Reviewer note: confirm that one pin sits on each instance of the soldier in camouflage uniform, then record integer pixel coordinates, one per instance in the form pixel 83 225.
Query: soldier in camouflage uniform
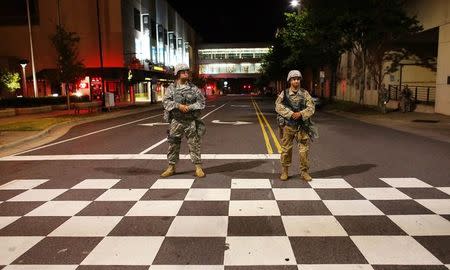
pixel 183 103
pixel 295 107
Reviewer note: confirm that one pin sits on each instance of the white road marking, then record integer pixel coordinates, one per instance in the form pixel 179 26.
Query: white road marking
pixel 88 134
pixel 235 123
pixel 165 139
pixel 206 115
pixel 139 156
pixel 154 124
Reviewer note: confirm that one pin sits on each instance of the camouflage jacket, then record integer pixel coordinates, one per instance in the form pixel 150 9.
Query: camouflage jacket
pixel 187 94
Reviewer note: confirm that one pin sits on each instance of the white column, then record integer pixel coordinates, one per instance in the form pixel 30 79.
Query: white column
pixel 443 71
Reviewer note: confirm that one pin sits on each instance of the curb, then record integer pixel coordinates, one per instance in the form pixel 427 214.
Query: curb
pixel 71 124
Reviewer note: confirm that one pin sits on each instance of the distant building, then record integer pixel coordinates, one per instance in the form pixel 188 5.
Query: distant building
pixel 232 67
pixel 141 41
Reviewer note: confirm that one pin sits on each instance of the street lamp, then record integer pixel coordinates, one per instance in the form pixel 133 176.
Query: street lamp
pixel 296 4
pixel 24 63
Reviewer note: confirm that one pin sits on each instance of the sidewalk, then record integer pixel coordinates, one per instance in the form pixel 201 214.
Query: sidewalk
pixel 431 125
pixel 21 132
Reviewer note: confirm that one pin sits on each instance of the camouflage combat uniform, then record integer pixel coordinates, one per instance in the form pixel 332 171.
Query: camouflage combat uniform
pixel 301 129
pixel 188 124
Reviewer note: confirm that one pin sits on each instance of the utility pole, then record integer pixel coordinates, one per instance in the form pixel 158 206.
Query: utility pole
pixel 101 54
pixel 31 48
pixel 58 11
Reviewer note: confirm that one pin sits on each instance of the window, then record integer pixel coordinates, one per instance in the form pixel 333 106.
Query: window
pixel 146 22
pixel 165 37
pixel 160 33
pixel 153 29
pixel 137 19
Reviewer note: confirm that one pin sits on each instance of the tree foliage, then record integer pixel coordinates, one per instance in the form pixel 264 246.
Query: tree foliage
pixel 70 68
pixel 10 80
pixel 66 44
pixel 372 30
pixel 374 27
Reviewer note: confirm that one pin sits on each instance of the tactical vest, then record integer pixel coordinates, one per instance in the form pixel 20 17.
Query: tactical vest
pixel 306 125
pixel 185 96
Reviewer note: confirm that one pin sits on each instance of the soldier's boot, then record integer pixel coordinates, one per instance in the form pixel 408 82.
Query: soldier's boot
pixel 199 171
pixel 284 173
pixel 169 171
pixel 304 167
pixel 305 176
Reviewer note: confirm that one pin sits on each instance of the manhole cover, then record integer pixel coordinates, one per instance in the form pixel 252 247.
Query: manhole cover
pixel 426 121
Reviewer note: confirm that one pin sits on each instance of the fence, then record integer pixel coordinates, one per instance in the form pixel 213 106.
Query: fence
pixel 421 94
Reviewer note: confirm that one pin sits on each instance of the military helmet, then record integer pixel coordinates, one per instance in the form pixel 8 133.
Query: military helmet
pixel 180 67
pixel 293 74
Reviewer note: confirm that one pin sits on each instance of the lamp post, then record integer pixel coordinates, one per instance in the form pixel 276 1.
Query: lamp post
pixel 31 50
pixel 24 63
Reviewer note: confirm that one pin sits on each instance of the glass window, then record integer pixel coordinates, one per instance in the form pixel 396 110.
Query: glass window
pixel 153 29
pixel 137 19
pixel 165 37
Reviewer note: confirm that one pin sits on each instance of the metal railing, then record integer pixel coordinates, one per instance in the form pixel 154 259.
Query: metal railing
pixel 420 93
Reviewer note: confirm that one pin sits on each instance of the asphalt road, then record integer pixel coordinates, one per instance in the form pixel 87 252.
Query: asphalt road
pixel 94 198
pixel 357 151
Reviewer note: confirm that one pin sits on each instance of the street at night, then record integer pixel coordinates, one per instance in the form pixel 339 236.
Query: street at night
pixel 98 189
pixel 250 135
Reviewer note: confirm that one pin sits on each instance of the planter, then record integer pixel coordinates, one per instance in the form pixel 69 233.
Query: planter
pixel 424 108
pixel 60 107
pixel 7 112
pixel 31 110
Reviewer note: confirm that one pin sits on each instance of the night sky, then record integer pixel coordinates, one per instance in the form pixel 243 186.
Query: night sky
pixel 233 20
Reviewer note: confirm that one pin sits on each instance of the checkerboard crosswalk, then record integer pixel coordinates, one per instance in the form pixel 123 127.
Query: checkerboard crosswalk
pixel 403 223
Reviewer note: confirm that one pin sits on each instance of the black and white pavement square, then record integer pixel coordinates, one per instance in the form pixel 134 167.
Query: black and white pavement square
pixel 400 223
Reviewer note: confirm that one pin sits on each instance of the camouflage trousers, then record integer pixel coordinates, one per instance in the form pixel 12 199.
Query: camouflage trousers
pixel 176 132
pixel 287 143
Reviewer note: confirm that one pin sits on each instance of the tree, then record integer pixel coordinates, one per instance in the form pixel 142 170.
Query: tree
pixel 374 27
pixel 10 80
pixel 69 66
pixel 276 62
pixel 371 29
pixel 316 36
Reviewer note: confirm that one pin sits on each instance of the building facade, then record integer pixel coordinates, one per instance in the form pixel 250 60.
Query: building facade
pixel 138 42
pixel 435 16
